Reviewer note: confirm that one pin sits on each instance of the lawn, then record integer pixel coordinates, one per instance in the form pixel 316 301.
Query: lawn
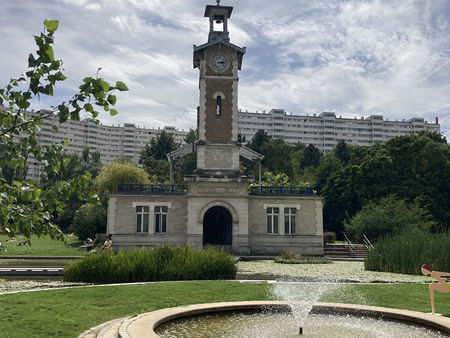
pixel 68 312
pixel 44 246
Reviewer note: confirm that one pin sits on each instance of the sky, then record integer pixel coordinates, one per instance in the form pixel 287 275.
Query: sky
pixel 351 57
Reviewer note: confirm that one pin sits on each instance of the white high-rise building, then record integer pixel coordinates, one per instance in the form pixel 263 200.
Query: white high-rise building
pixel 112 142
pixel 325 130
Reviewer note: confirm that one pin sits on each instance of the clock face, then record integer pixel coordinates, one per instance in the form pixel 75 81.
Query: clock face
pixel 219 62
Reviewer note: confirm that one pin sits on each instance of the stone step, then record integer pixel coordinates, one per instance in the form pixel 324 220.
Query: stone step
pixel 112 329
pixel 105 330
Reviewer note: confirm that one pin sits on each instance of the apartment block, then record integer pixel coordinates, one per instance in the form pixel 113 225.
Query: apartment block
pixel 326 129
pixel 112 142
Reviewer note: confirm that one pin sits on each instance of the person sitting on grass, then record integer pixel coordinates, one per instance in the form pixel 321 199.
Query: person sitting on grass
pixel 108 244
pixel 441 285
pixel 21 243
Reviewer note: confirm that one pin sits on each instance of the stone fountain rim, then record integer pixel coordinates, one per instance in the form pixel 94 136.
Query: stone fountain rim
pixel 144 324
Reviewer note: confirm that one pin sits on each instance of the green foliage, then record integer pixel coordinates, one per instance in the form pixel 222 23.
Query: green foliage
pixel 153 264
pixel 89 219
pixel 416 168
pixel 24 207
pixel 407 252
pixel 311 157
pixel 277 155
pixel 118 172
pixel 389 215
pixel 154 155
pixel 158 148
pixel 271 179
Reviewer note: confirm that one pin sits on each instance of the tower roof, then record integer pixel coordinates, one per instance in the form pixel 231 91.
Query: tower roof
pixel 198 51
pixel 220 10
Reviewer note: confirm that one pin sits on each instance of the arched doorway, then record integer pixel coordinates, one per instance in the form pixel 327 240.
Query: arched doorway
pixel 217 226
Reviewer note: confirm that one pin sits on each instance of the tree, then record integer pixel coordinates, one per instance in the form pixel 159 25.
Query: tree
pixel 154 156
pixel 75 166
pixel 159 147
pixel 277 157
pixel 259 139
pixel 89 219
pixel 389 215
pixel 187 164
pixel 311 157
pixel 118 172
pixel 24 207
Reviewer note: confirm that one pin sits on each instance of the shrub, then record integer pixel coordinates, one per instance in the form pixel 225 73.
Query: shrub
pixel 389 215
pixel 289 254
pixel 89 219
pixel 329 236
pixel 152 264
pixel 405 253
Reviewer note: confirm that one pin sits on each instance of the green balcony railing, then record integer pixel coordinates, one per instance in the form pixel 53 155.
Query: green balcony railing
pixel 152 188
pixel 281 191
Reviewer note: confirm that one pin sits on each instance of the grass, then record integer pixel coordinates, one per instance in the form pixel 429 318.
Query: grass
pixel 68 312
pixel 414 297
pixel 44 246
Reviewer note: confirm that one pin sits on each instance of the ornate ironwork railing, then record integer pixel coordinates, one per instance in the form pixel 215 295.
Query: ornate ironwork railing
pixel 152 188
pixel 281 191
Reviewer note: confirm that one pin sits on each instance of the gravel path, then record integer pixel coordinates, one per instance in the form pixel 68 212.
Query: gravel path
pixel 11 286
pixel 338 271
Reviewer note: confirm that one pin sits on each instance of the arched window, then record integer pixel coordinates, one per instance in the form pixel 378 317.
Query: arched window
pixel 218 105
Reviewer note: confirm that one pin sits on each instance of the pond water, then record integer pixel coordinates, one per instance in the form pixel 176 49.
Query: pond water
pixel 261 325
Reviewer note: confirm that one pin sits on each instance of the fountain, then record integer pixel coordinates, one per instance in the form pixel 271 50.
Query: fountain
pixel 298 313
pixel 301 297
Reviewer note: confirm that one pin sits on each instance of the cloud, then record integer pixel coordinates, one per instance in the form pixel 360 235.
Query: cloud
pixel 349 56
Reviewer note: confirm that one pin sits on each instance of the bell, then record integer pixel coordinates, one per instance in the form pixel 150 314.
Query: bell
pixel 218 21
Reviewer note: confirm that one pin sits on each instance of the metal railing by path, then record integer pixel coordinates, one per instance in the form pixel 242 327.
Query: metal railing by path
pixel 152 188
pixel 281 191
pixel 350 247
pixel 367 243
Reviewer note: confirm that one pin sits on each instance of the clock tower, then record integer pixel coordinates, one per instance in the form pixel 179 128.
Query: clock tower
pixel 218 61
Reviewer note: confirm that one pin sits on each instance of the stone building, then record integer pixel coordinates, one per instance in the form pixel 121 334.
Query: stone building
pixel 216 206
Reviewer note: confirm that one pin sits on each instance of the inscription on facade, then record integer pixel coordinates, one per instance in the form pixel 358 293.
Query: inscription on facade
pixel 215 190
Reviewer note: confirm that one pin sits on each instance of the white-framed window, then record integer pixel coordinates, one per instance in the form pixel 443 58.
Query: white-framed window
pixel 289 221
pixel 160 219
pixel 272 220
pixel 279 214
pixel 151 217
pixel 142 218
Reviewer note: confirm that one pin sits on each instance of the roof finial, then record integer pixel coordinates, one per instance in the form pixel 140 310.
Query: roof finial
pixel 218 2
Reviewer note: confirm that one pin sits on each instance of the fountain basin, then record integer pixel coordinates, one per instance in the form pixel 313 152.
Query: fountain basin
pixel 145 324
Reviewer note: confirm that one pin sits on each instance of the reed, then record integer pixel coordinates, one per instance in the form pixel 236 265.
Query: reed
pixel 405 253
pixel 161 263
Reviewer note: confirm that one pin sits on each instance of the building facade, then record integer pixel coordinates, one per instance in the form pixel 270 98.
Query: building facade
pixel 112 142
pixel 216 206
pixel 325 130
